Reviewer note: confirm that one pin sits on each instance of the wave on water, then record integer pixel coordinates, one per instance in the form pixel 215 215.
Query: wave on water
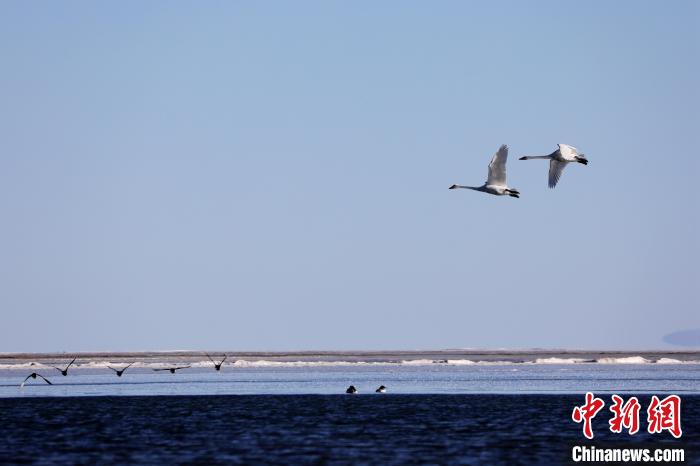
pixel 561 361
pixel 627 360
pixel 674 361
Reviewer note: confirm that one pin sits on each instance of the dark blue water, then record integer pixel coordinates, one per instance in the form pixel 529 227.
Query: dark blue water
pixel 314 429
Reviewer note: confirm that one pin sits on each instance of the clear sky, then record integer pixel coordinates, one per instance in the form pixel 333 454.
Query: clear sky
pixel 273 175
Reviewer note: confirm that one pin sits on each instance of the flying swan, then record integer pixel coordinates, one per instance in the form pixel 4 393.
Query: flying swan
pixel 558 160
pixel 496 182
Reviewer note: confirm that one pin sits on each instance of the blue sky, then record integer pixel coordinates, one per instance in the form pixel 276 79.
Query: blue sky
pixel 273 176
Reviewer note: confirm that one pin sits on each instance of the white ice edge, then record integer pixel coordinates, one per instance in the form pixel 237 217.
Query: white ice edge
pixel 411 362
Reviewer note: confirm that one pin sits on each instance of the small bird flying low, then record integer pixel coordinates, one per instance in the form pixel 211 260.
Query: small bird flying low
pixel 172 369
pixel 120 372
pixel 351 390
pixel 496 181
pixel 64 372
pixel 381 389
pixel 558 160
pixel 217 366
pixel 34 375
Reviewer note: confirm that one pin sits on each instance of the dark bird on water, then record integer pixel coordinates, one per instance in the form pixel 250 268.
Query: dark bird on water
pixel 172 369
pixel 64 372
pixel 217 366
pixel 351 390
pixel 34 375
pixel 119 372
pixel 381 389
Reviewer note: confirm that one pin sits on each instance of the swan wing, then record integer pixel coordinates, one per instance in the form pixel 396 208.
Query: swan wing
pixel 497 167
pixel 567 152
pixel 555 170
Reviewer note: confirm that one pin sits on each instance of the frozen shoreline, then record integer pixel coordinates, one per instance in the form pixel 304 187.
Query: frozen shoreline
pixel 298 358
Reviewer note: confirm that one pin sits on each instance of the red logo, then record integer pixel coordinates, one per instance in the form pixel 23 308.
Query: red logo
pixel 665 415
pixel 587 412
pixel 661 415
pixel 625 415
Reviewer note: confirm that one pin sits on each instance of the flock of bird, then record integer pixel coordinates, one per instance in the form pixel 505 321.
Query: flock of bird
pixel 118 372
pixel 496 183
pixel 351 390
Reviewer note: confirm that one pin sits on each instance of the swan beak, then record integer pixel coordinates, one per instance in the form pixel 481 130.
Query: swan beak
pixel 453 186
pixel 583 161
pixel 522 158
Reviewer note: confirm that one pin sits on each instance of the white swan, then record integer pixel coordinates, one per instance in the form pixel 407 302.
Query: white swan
pixel 496 182
pixel 558 160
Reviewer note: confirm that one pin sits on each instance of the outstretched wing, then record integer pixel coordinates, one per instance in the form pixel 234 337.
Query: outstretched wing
pixel 71 363
pixel 497 167
pixel 115 370
pixel 45 379
pixel 225 356
pixel 555 170
pixel 182 367
pixel 128 366
pixel 567 151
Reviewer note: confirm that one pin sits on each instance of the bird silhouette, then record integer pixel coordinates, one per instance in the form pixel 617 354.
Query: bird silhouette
pixel 351 390
pixel 381 389
pixel 119 372
pixel 172 369
pixel 217 366
pixel 64 372
pixel 496 181
pixel 34 375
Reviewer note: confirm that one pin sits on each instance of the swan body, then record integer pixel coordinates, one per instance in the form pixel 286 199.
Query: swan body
pixel 496 181
pixel 558 160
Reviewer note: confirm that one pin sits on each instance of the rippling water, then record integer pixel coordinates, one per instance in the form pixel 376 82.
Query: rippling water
pixel 432 414
pixel 312 429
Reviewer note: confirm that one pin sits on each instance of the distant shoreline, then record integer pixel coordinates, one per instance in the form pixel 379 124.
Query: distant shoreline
pixel 361 356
